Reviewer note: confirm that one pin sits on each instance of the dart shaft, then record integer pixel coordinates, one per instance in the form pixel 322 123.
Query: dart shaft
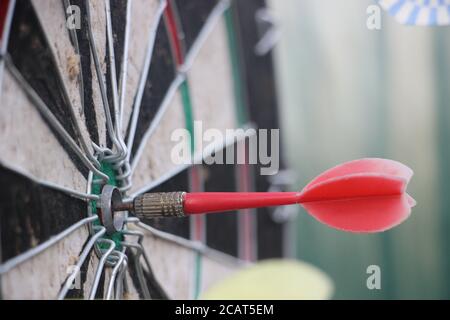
pixel 209 202
pixel 178 204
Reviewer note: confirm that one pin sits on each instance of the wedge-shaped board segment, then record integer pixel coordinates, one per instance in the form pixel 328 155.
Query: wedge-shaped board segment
pixel 54 264
pixel 213 98
pixel 156 158
pixel 52 18
pixel 143 23
pixel 33 148
pixel 93 104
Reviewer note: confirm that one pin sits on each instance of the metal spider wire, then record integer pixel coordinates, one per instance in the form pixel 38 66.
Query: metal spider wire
pixel 52 119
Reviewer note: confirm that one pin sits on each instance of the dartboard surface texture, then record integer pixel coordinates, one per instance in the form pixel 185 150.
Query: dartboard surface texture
pixel 90 93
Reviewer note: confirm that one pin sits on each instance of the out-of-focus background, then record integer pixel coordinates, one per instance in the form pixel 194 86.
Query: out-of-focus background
pixel 348 92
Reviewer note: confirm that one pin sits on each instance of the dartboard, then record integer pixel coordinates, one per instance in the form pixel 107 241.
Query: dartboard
pixel 91 92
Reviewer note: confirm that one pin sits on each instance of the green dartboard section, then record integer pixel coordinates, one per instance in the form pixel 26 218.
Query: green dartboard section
pixel 96 188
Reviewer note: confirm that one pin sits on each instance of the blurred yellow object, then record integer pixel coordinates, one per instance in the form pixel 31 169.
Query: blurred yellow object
pixel 274 280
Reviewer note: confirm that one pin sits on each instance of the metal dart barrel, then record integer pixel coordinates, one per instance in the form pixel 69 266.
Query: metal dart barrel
pixel 153 205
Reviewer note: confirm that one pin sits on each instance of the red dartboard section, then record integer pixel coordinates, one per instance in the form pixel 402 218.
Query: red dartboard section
pixel 95 105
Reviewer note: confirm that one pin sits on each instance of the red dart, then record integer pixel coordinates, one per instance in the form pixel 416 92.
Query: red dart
pixel 366 195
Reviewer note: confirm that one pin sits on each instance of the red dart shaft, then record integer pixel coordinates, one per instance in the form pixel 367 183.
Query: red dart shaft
pixel 208 202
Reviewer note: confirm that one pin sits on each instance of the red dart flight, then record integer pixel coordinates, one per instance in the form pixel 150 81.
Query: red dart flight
pixel 366 195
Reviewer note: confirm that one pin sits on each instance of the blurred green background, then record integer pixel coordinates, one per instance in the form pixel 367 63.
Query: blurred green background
pixel 348 92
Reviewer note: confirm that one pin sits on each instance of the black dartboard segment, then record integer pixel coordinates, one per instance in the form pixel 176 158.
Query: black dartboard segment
pixel 259 79
pixel 32 56
pixel 31 213
pixel 119 23
pixel 159 78
pixel 221 231
pixel 192 16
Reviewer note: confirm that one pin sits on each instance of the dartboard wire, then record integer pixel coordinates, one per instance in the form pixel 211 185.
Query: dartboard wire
pixel 115 92
pixel 137 264
pixel 103 152
pixel 14 262
pixel 44 110
pixel 98 251
pixel 101 265
pixel 139 273
pixel 124 67
pixel 195 246
pixel 207 29
pixel 197 157
pixel 138 267
pixel 84 145
pixel 102 85
pixel 120 282
pixel 140 237
pixel 74 39
pixel 143 77
pixel 121 164
pixel 21 81
pixel 120 263
pixel 65 190
pixel 212 20
pixel 163 107
pixel 48 115
pixel 99 232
